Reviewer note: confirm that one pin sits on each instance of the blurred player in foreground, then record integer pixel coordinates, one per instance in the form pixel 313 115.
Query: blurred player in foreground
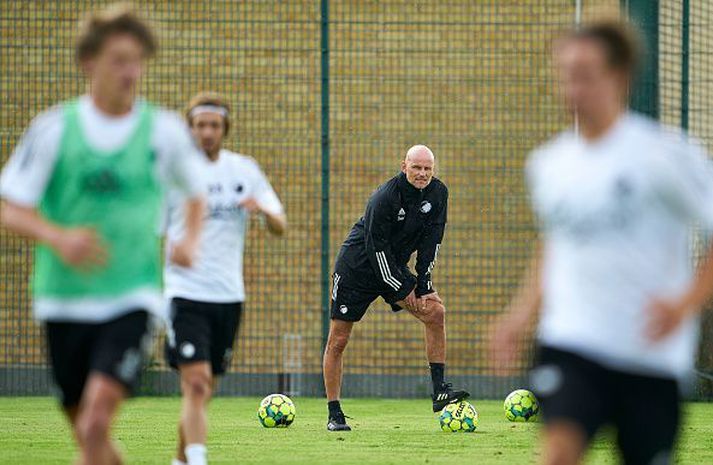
pixel 612 284
pixel 86 183
pixel 406 214
pixel 207 298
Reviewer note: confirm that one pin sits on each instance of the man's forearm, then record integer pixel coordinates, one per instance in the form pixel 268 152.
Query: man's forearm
pixel 424 285
pixel 426 259
pixel 528 301
pixel 702 287
pixel 276 224
pixel 195 209
pixel 28 223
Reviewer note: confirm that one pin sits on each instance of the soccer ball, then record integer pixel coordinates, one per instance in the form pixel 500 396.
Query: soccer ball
pixel 276 411
pixel 521 405
pixel 460 417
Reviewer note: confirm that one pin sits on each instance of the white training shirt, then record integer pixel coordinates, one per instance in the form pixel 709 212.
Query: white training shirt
pixel 217 273
pixel 27 173
pixel 617 217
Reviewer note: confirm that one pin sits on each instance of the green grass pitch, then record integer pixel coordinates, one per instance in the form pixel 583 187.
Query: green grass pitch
pixel 385 432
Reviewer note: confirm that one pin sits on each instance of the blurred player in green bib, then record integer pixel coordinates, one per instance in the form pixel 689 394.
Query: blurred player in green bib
pixel 86 182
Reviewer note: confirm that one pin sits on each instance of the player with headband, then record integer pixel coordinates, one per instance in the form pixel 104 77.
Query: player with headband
pixel 207 300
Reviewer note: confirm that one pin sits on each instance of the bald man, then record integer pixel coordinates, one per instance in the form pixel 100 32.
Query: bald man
pixel 407 214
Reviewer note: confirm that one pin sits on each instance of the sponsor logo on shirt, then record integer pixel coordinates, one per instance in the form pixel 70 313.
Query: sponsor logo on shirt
pixel 622 188
pixel 617 212
pixel 426 206
pixel 402 215
pixel 222 211
pixel 225 210
pixel 103 181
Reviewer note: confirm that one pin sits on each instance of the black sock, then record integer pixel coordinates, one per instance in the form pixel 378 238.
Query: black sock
pixel 438 371
pixel 334 407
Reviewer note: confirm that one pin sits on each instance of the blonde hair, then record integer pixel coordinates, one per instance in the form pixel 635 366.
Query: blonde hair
pixel 117 19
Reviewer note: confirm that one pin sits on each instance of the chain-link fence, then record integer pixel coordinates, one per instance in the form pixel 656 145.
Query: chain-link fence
pixel 327 96
pixel 685 96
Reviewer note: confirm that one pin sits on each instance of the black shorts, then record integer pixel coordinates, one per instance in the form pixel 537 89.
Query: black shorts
pixel 202 332
pixel 350 299
pixel 116 348
pixel 645 410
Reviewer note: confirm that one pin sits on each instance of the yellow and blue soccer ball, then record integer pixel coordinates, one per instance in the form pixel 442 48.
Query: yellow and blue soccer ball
pixel 460 417
pixel 521 405
pixel 276 411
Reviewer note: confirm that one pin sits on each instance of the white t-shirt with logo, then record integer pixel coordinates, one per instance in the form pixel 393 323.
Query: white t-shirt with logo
pixel 28 171
pixel 217 273
pixel 617 216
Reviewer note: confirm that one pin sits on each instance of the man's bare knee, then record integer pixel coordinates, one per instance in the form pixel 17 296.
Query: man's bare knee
pixel 565 444
pixel 560 457
pixel 338 338
pixel 93 426
pixel 196 384
pixel 100 400
pixel 336 344
pixel 435 314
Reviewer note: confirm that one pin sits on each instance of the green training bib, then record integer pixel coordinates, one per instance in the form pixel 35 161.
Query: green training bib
pixel 115 192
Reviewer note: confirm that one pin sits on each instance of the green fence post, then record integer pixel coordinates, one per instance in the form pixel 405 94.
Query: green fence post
pixel 685 60
pixel 324 50
pixel 645 90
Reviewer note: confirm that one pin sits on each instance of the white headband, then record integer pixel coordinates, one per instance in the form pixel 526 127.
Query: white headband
pixel 197 110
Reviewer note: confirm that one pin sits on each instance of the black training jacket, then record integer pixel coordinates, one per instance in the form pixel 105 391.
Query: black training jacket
pixel 399 220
